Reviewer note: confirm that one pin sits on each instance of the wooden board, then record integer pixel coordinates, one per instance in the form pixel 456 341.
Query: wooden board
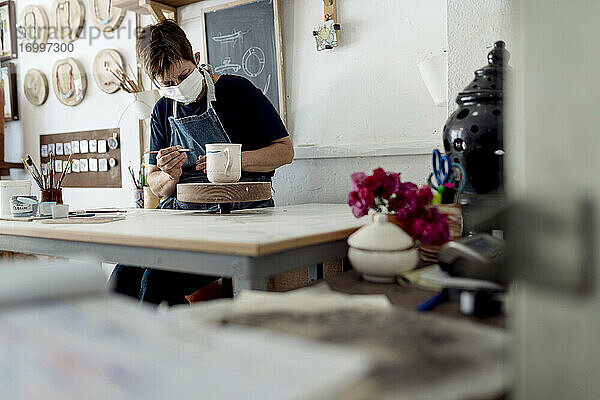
pixel 108 60
pixel 35 87
pixel 67 18
pixel 35 24
pixel 5 167
pixel 108 179
pixel 178 3
pixel 244 38
pixel 159 10
pixel 104 15
pixel 223 192
pixel 11 103
pixel 245 232
pixel 330 8
pixel 69 81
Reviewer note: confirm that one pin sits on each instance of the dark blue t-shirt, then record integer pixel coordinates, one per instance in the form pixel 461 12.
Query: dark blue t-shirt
pixel 246 114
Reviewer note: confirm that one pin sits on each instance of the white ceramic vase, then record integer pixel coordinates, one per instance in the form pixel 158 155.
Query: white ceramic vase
pixel 381 251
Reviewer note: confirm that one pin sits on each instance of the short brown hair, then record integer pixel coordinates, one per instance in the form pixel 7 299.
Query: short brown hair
pixel 161 46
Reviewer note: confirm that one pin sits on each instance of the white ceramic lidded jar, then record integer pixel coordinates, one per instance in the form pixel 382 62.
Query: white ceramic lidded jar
pixel 381 251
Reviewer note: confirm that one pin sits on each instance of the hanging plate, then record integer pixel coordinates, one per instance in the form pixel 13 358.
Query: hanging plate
pixel 104 16
pixel 69 81
pixel 34 25
pixel 35 87
pixel 106 61
pixel 67 18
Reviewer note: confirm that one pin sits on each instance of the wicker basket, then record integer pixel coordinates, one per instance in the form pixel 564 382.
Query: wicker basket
pixel 430 254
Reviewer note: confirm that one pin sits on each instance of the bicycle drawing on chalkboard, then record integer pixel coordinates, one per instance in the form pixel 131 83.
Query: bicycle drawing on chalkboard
pixel 227 66
pixel 231 38
pixel 253 60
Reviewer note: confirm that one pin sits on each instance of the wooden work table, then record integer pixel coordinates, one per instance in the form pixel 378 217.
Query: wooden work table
pixel 248 245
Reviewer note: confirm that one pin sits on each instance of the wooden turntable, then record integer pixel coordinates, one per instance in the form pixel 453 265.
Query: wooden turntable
pixel 223 194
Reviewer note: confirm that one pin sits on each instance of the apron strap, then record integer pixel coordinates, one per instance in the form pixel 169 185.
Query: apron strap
pixel 210 92
pixel 210 88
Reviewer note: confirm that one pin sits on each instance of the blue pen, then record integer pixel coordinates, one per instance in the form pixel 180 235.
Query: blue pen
pixel 430 304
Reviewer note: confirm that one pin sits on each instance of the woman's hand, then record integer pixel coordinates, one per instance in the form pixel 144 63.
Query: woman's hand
pixel 201 164
pixel 170 161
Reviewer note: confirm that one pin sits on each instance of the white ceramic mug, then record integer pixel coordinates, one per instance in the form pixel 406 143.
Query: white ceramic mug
pixel 224 162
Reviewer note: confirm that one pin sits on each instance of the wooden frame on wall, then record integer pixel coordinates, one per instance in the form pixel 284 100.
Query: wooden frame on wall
pixel 8 31
pixel 278 46
pixel 9 80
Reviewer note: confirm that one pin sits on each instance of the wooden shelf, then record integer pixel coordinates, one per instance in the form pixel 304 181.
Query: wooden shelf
pixel 5 167
pixel 159 10
pixel 9 165
pixel 179 3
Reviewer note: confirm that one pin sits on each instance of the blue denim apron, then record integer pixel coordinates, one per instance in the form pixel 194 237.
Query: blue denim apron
pixel 194 132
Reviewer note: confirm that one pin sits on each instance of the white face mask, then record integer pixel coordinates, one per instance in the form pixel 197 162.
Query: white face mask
pixel 187 91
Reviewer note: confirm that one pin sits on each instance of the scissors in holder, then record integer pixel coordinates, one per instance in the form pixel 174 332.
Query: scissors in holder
pixel 442 167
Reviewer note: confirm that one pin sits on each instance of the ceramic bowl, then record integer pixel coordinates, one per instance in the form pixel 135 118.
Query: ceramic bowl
pixel 383 266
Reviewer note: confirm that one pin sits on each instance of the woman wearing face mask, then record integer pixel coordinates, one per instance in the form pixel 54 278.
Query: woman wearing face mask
pixel 197 108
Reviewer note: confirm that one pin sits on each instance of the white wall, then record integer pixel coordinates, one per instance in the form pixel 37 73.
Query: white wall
pixel 369 90
pixel 97 111
pixel 473 27
pixel 365 96
pixel 364 101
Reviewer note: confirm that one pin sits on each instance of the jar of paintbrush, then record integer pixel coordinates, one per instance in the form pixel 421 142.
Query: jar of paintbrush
pixel 50 183
pixel 52 195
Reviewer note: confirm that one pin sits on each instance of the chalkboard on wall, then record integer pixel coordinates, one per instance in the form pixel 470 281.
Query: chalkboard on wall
pixel 244 38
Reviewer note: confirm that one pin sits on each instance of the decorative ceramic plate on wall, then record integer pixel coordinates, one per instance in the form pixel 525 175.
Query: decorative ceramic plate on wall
pixel 104 16
pixel 34 25
pixel 69 81
pixel 67 19
pixel 105 64
pixel 35 87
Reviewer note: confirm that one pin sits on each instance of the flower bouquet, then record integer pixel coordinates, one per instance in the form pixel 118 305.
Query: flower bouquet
pixel 407 204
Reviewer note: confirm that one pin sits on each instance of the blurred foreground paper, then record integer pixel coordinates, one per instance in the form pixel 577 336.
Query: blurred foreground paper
pixel 98 346
pixel 34 282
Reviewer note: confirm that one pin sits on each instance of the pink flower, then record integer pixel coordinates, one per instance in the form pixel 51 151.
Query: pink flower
pixel 408 186
pixel 411 204
pixel 353 198
pixel 358 180
pixel 425 195
pixel 361 200
pixel 391 185
pixel 360 211
pixel 374 182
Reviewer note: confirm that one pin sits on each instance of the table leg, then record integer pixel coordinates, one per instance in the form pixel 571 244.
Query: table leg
pixel 225 208
pixel 248 283
pixel 346 264
pixel 315 272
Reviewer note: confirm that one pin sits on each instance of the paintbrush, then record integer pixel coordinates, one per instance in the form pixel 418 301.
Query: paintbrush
pixel 51 171
pixel 65 170
pixel 32 173
pixel 179 150
pixel 133 84
pixel 33 168
pixel 135 181
pixel 122 82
